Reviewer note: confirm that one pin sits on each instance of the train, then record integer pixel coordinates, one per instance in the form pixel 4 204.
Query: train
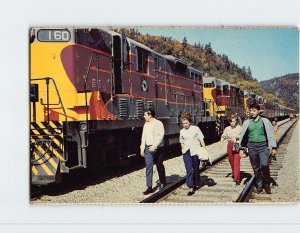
pixel 89 88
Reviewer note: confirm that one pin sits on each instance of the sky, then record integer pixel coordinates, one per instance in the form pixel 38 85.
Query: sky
pixel 269 52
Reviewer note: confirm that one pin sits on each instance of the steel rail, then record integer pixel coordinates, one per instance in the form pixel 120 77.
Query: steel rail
pixel 171 187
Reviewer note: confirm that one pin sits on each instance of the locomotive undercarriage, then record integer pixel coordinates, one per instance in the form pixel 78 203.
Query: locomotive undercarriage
pixel 112 143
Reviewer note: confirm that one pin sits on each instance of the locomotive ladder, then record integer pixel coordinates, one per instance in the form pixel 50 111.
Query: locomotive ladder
pixel 46 141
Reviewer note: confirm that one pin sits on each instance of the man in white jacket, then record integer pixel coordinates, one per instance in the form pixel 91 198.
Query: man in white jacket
pixel 152 149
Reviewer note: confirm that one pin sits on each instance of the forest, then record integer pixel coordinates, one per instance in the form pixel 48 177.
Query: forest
pixel 202 56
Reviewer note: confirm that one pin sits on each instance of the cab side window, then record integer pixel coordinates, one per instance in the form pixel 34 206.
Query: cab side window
pixel 142 60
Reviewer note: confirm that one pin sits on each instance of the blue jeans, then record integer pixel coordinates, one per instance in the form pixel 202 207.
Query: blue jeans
pixel 259 157
pixel 156 157
pixel 192 169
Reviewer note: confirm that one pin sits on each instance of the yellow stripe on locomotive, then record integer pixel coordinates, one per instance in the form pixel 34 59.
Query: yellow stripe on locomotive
pixel 49 86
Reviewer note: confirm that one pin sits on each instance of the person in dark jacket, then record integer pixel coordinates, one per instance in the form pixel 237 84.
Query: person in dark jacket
pixel 258 136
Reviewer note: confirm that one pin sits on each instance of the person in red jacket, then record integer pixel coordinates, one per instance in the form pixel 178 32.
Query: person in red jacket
pixel 231 134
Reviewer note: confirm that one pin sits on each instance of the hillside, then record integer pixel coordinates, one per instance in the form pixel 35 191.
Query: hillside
pixel 203 57
pixel 285 87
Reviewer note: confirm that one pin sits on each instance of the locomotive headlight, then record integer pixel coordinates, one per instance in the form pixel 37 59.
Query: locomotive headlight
pixel 83 126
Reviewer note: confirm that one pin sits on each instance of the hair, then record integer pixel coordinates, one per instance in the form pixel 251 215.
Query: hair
pixel 150 112
pixel 234 116
pixel 186 116
pixel 256 106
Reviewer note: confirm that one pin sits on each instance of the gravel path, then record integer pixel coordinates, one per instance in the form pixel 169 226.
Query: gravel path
pixel 288 189
pixel 127 188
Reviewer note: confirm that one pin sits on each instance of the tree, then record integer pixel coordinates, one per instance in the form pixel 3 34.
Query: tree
pixel 249 72
pixel 184 42
pixel 208 49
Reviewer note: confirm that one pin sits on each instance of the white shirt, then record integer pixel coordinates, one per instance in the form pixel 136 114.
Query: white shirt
pixel 190 138
pixel 153 134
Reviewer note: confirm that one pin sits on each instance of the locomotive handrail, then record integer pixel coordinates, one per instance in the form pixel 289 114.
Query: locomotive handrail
pixel 57 92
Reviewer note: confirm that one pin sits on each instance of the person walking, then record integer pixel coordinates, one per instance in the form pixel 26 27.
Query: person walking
pixel 258 136
pixel 190 138
pixel 276 132
pixel 232 134
pixel 152 150
pixel 276 129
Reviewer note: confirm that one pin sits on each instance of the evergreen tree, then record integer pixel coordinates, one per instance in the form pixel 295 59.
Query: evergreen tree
pixel 249 72
pixel 184 42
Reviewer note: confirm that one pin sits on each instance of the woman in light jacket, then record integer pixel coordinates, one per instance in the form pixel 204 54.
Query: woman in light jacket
pixel 190 139
pixel 231 134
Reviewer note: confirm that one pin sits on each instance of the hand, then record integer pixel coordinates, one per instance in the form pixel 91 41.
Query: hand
pixel 242 154
pixel 152 148
pixel 142 153
pixel 274 152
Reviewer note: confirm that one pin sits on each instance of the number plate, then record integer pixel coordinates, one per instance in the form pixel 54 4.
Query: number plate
pixel 54 35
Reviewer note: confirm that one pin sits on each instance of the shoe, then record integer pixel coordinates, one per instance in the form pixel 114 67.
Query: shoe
pixel 190 193
pixel 274 158
pixel 148 191
pixel 257 190
pixel 162 186
pixel 237 183
pixel 268 189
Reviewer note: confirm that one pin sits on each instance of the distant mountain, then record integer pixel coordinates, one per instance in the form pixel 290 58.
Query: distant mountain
pixel 285 87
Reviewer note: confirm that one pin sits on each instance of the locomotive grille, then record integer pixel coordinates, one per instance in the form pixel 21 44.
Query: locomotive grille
pixel 94 82
pixel 150 104
pixel 139 108
pixel 123 109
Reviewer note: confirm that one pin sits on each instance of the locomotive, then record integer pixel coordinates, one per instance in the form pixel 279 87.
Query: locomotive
pixel 89 88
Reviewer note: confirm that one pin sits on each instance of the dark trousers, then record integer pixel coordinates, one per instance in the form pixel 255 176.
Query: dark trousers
pixel 259 158
pixel 151 158
pixel 234 160
pixel 192 169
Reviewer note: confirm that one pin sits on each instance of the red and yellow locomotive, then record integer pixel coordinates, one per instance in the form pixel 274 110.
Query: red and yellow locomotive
pixel 89 89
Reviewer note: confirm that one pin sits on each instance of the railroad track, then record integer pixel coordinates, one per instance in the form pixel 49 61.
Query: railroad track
pixel 217 185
